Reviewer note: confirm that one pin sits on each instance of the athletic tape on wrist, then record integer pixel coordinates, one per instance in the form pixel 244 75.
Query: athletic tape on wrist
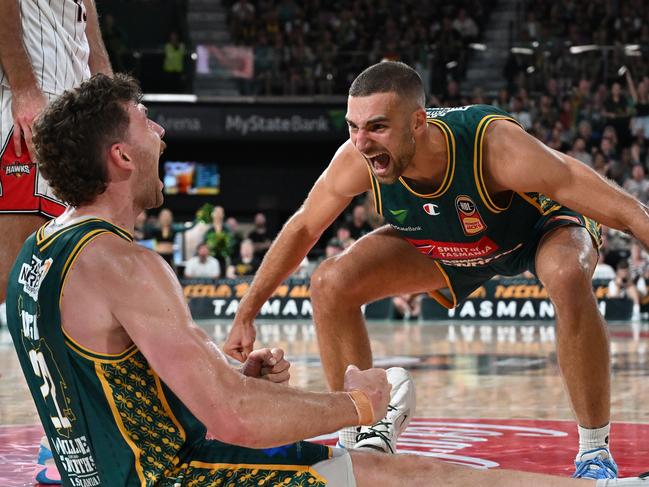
pixel 363 407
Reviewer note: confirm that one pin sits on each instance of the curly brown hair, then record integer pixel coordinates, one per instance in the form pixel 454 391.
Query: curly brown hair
pixel 72 135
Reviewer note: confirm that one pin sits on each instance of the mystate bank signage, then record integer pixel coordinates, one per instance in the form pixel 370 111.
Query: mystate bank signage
pixel 498 299
pixel 251 121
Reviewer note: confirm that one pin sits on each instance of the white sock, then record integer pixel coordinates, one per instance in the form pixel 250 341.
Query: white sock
pixel 591 439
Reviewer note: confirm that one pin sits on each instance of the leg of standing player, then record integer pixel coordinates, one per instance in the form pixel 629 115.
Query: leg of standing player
pixel 378 265
pixel 565 262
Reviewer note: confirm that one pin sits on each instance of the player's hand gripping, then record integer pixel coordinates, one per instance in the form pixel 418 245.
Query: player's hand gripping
pixel 269 364
pixel 375 385
pixel 240 340
pixel 25 107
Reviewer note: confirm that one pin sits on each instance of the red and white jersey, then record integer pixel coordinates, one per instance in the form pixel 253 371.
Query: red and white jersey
pixel 54 35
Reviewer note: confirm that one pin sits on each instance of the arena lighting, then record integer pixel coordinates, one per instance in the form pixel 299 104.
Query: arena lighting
pixel 194 56
pixel 478 47
pixel 451 65
pixel 168 97
pixel 530 69
pixel 584 48
pixel 522 50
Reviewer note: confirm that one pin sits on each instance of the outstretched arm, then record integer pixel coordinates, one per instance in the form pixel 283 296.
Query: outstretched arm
pixel 346 177
pixel 144 297
pixel 27 98
pixel 514 160
pixel 98 62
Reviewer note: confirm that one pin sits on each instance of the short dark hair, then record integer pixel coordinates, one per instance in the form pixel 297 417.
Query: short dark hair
pixel 73 133
pixel 390 76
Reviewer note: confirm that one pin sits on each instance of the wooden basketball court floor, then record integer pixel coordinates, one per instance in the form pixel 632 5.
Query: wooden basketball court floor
pixel 489 393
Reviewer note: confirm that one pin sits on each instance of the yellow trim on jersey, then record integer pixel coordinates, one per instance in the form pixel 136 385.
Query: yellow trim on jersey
pixel 536 204
pixel 165 404
pixel 101 357
pixel 376 192
pixel 118 421
pixel 450 163
pixel 83 241
pixel 41 238
pixel 439 297
pixel 254 466
pixel 477 162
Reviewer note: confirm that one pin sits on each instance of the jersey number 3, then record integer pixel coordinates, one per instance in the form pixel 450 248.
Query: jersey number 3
pixel 48 388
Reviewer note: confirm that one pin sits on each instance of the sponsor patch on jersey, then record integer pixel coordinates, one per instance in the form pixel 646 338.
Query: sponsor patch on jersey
pixel 472 222
pixel 453 251
pixel 17 169
pixel 31 275
pixel 431 209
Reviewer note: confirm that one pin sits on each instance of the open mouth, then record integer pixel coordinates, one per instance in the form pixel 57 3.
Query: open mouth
pixel 380 162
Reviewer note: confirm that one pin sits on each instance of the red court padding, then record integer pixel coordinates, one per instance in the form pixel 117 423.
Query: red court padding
pixel 535 446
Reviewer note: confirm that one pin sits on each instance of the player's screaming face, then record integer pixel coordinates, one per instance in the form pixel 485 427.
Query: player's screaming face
pixel 379 127
pixel 145 136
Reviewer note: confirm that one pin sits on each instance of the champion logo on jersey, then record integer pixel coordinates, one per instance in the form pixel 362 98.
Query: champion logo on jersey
pixel 431 209
pixel 399 215
pixel 472 222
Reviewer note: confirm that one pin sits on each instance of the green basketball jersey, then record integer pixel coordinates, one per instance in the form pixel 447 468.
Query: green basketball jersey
pixel 109 418
pixel 459 224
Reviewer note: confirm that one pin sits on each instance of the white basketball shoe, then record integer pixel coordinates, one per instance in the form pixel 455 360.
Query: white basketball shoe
pixel 383 434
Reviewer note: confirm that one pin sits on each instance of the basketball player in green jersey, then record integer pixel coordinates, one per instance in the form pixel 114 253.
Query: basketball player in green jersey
pixel 467 194
pixel 125 384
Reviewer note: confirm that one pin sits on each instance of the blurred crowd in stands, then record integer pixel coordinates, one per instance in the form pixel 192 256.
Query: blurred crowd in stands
pixel 577 78
pixel 319 46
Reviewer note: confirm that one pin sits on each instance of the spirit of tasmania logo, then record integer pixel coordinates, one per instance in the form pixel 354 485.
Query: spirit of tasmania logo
pixel 31 275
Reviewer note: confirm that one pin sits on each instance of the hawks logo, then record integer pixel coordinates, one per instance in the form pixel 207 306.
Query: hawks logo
pixel 17 169
pixel 470 218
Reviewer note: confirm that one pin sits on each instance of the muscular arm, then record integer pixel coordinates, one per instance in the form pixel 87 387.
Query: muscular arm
pixel 98 62
pixel 15 61
pixel 346 177
pixel 516 161
pixel 146 301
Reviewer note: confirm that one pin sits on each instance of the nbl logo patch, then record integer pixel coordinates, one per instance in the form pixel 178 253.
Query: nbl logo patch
pixel 472 222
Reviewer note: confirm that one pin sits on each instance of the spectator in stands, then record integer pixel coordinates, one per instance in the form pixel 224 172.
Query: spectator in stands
pixel 617 111
pixel 578 151
pixel 344 235
pixel 358 225
pixel 115 41
pixel 242 21
pixel 520 113
pixel 603 271
pixel 260 236
pixel 173 65
pixel 407 306
pixel 232 224
pixel 164 236
pixel 334 247
pixel 623 286
pixel 141 231
pixel 202 265
pixel 246 264
pixel 218 237
pixel 640 121
pixel 637 184
pixel 466 26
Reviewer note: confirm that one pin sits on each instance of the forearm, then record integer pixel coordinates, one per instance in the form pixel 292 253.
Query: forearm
pixel 15 61
pixel 271 415
pixel 98 61
pixel 250 412
pixel 283 257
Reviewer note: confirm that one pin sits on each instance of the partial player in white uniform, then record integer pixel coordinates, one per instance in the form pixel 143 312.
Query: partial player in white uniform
pixel 46 47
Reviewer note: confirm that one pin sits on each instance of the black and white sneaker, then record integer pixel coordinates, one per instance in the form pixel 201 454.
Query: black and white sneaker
pixel 383 434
